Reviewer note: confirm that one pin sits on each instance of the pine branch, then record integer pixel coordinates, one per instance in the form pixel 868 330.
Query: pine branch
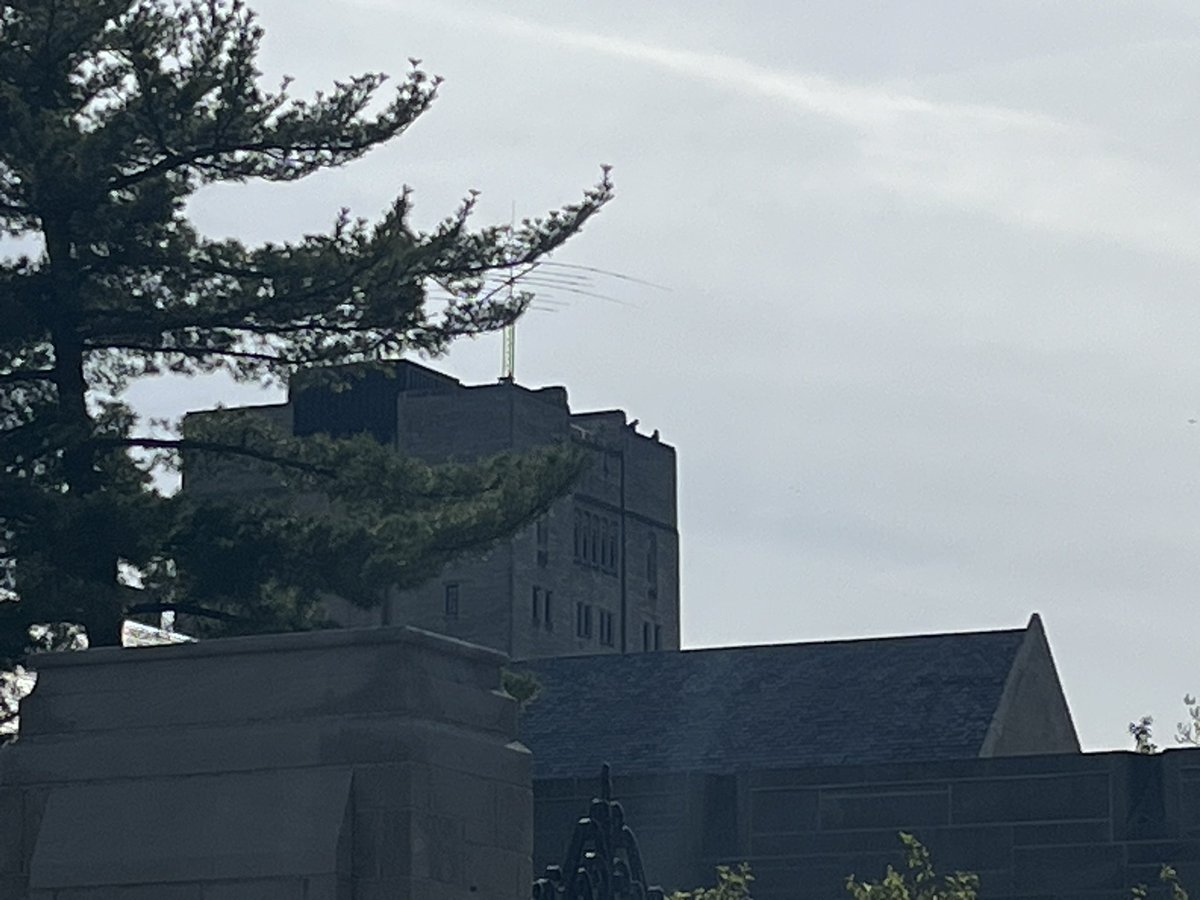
pixel 185 445
pixel 27 375
pixel 174 161
pixel 197 352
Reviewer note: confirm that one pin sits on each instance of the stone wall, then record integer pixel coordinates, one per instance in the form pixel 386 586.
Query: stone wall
pixel 1072 826
pixel 330 766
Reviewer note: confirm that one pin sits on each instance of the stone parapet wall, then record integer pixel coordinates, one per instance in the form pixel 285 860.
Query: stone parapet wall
pixel 341 764
pixel 1070 826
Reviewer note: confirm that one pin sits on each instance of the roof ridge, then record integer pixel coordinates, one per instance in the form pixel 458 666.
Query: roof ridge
pixel 925 635
pixel 877 639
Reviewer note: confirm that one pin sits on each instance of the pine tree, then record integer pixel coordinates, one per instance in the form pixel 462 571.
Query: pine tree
pixel 112 114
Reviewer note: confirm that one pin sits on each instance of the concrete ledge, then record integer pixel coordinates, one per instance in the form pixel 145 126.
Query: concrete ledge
pixel 277 678
pixel 274 643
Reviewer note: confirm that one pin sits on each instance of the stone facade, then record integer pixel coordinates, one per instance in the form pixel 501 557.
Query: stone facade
pixel 338 765
pixel 1047 827
pixel 598 574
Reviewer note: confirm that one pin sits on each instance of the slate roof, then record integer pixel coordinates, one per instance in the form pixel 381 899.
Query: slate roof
pixel 926 697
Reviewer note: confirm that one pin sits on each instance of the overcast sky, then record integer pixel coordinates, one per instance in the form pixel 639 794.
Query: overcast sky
pixel 928 332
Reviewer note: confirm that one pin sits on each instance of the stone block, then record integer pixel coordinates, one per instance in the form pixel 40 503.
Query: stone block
pixel 11 814
pixel 1189 795
pixel 1061 797
pixel 327 887
pixel 206 828
pixel 372 740
pixel 194 749
pixel 504 870
pixel 424 889
pixel 1065 869
pixel 783 810
pixel 819 843
pixel 514 817
pixel 466 797
pixel 1083 832
pixel 366 854
pixel 395 853
pixel 133 892
pixel 392 786
pixel 875 808
pixel 437 848
pixel 968 848
pixel 260 889
pixel 1163 852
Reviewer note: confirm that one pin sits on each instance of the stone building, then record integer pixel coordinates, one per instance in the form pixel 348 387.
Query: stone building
pixel 599 573
pixel 806 760
pixel 385 762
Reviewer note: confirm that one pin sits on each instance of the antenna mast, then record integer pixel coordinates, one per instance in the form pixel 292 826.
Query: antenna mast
pixel 510 352
pixel 508 360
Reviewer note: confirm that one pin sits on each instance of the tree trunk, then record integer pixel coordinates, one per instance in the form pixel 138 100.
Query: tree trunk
pixel 100 611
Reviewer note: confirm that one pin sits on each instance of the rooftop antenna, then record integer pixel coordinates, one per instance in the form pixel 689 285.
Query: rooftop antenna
pixel 567 278
pixel 508 361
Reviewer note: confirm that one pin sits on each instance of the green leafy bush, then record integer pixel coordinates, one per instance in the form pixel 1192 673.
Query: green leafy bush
pixel 919 882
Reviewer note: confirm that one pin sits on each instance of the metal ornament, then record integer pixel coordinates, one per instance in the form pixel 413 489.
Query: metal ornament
pixel 603 861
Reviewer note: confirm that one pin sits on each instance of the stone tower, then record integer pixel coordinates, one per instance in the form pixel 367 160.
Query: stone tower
pixel 599 573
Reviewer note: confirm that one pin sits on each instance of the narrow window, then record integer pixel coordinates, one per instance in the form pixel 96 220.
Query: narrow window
pixel 606 628
pixel 583 620
pixel 548 618
pixel 657 637
pixel 586 528
pixel 578 535
pixel 652 567
pixel 543 542
pixel 451 601
pixel 536 606
pixel 595 539
pixel 646 636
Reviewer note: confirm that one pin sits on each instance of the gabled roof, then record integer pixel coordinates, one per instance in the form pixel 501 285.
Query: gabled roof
pixel 926 697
